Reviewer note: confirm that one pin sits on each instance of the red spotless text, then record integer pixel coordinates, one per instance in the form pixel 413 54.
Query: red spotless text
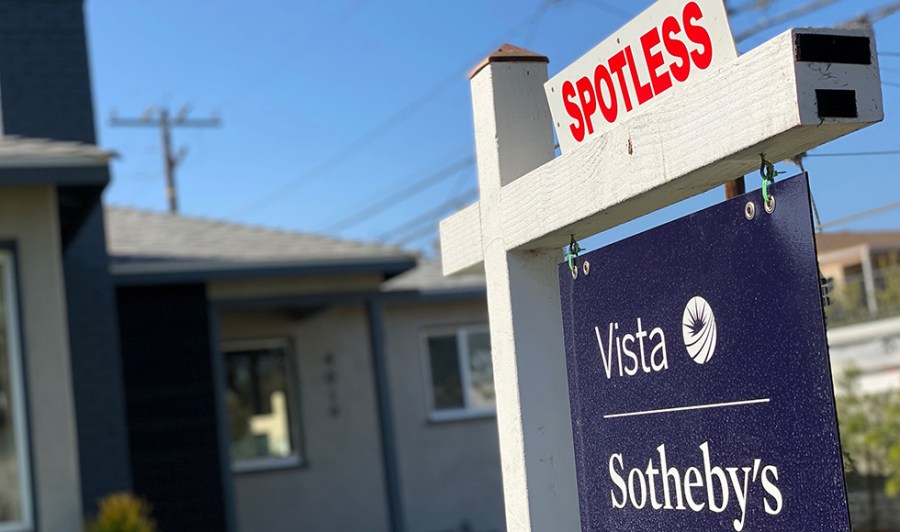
pixel 651 55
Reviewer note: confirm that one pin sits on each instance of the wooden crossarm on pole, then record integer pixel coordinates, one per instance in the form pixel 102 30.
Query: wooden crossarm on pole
pixel 768 101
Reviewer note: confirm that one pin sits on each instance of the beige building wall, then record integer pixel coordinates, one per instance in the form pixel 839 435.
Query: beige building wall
pixel 449 471
pixel 340 485
pixel 833 264
pixel 29 218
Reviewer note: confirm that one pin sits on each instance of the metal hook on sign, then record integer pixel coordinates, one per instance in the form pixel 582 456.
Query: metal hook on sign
pixel 574 250
pixel 767 172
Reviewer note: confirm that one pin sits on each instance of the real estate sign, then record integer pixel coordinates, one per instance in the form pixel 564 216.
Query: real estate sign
pixel 699 379
pixel 672 43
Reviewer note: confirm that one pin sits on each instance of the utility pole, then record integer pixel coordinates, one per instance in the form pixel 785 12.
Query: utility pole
pixel 165 123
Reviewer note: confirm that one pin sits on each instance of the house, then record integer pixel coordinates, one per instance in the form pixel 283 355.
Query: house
pixel 238 378
pixel 864 319
pixel 51 331
pixel 61 436
pixel 241 378
pixel 864 333
pixel 282 381
pixel 342 385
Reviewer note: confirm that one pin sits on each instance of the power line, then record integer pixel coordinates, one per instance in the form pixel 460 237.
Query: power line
pixel 390 122
pixel 854 154
pixel 890 83
pixel 871 17
pixel 539 14
pixel 164 122
pixel 748 6
pixel 782 18
pixel 532 32
pixel 890 54
pixel 863 214
pixel 419 233
pixel 405 193
pixel 609 8
pixel 429 217
pixel 452 203
pixel 255 82
pixel 737 186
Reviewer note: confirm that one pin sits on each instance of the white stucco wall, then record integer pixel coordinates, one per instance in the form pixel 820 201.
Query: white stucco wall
pixel 449 471
pixel 340 487
pixel 873 347
pixel 28 217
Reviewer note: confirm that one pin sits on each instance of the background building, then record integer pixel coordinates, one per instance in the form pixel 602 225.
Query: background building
pixel 247 379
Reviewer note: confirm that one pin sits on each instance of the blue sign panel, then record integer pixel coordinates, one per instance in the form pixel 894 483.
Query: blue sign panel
pixel 699 379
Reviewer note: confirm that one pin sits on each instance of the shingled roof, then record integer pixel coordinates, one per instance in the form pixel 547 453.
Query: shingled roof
pixel 427 278
pixel 150 243
pixel 25 152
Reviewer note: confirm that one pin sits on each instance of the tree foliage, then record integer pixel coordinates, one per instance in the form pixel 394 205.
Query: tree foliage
pixel 888 293
pixel 870 430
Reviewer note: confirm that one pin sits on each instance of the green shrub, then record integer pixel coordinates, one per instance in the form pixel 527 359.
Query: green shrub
pixel 123 512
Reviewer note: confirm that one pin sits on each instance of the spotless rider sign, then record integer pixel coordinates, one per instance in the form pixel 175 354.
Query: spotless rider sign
pixel 672 43
pixel 699 379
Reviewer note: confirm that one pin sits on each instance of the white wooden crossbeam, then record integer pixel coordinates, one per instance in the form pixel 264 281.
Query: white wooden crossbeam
pixel 787 96
pixel 765 102
pixel 464 252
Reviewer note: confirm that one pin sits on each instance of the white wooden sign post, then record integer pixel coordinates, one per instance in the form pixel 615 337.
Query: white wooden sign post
pixel 801 89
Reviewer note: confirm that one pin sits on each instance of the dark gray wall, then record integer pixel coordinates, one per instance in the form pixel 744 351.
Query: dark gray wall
pixel 170 388
pixel 45 92
pixel 45 88
pixel 96 364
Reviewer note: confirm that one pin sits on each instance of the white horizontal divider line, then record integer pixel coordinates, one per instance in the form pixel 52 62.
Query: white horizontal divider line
pixel 692 407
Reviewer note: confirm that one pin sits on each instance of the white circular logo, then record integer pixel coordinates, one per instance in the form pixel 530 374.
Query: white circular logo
pixel 698 326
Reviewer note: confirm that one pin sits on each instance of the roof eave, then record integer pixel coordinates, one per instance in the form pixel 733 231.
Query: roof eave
pixel 439 295
pixel 54 162
pixel 189 272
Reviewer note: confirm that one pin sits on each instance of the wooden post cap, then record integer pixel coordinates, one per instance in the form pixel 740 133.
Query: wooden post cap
pixel 509 54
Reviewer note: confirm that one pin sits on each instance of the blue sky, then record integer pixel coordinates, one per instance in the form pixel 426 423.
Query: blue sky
pixel 329 108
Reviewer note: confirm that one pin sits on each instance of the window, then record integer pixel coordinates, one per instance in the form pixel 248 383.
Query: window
pixel 15 481
pixel 460 375
pixel 260 398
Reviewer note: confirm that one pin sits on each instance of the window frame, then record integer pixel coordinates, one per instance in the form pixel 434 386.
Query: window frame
pixel 461 332
pixel 18 392
pixel 271 463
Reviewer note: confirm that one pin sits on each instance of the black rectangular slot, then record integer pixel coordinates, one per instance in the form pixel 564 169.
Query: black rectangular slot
pixel 836 103
pixel 846 49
